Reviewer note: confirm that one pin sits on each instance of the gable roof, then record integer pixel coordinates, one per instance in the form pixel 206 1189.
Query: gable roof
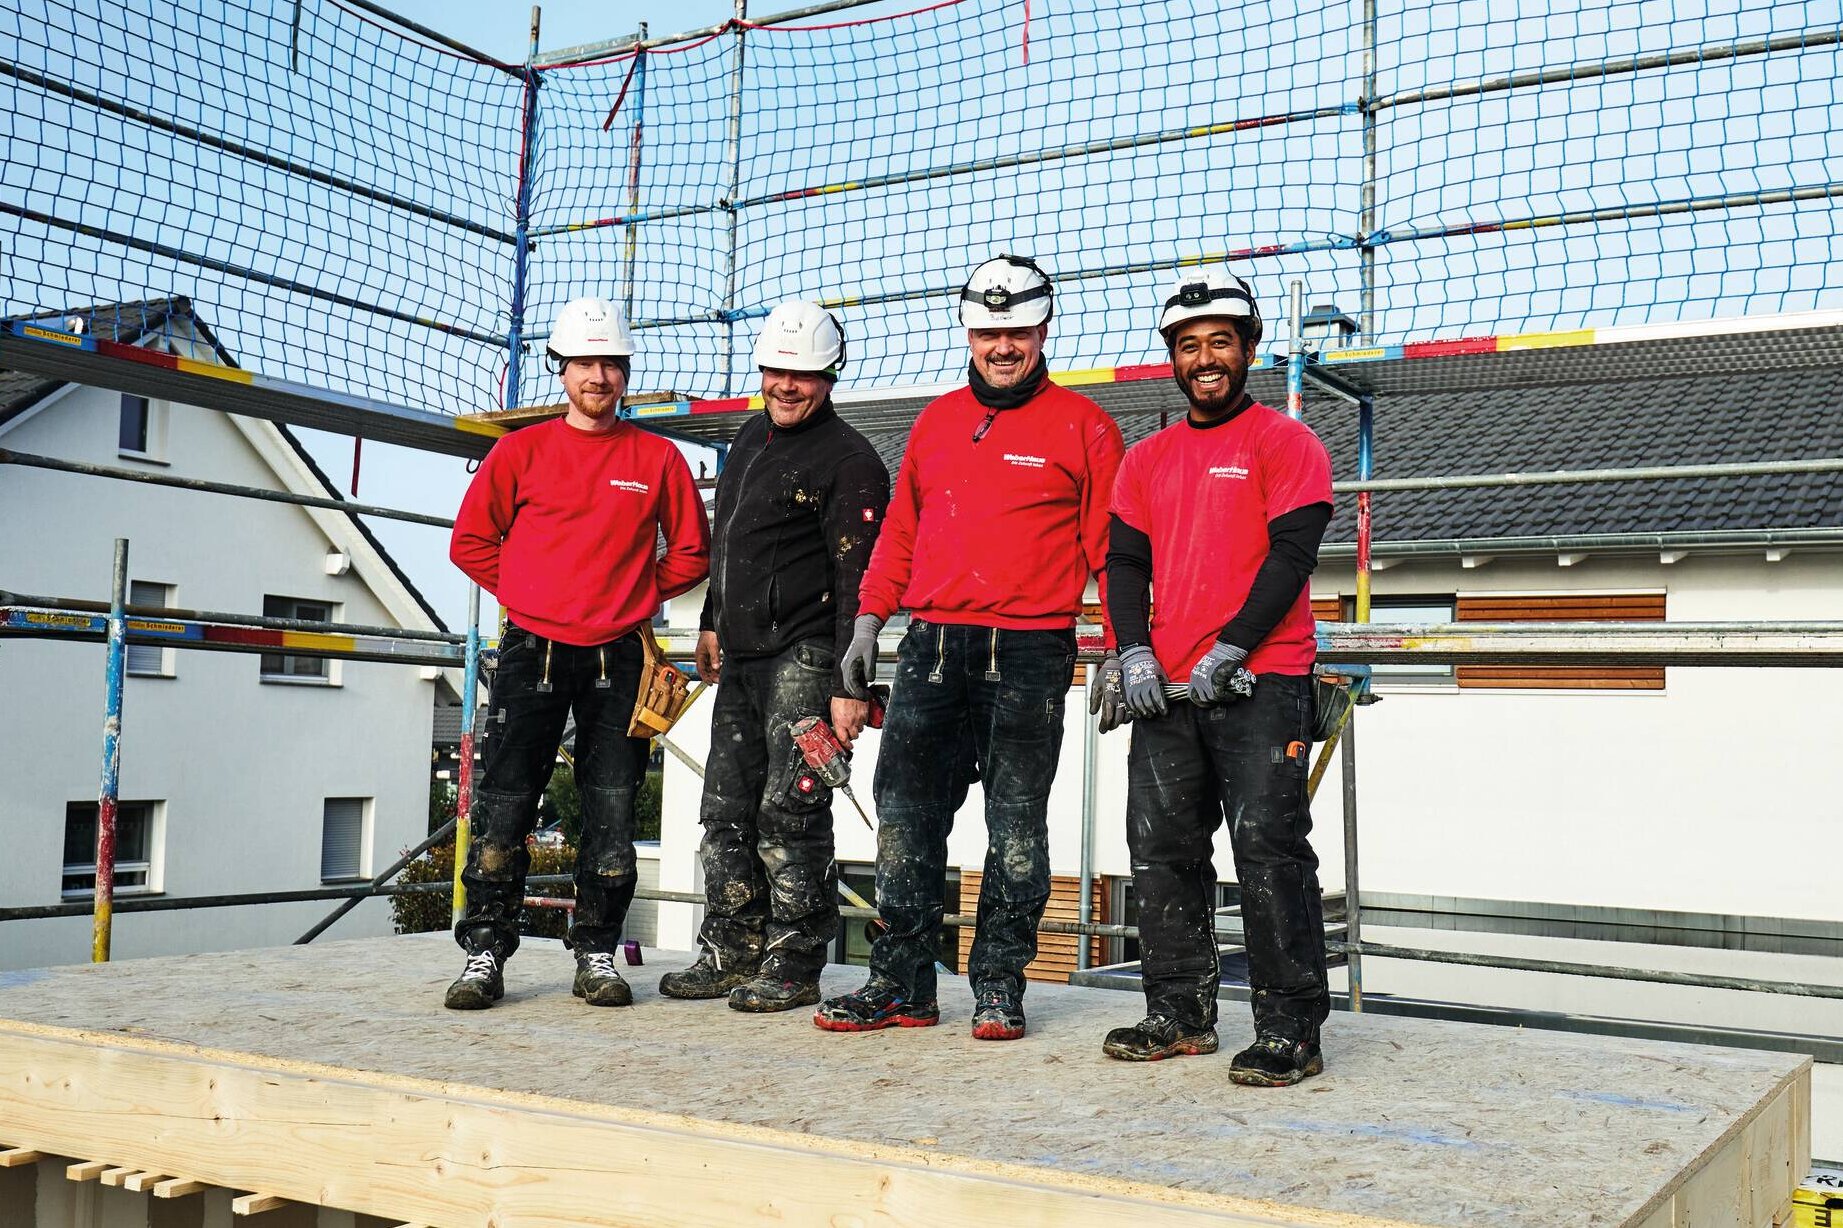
pixel 1786 414
pixel 151 320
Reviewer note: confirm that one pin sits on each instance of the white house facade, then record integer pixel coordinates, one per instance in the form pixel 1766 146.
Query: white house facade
pixel 239 772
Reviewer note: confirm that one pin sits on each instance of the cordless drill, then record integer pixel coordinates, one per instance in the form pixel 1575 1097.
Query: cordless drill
pixel 827 756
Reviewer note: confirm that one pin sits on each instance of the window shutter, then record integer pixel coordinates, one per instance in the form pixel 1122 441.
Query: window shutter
pixel 1328 609
pixel 145 658
pixel 1563 607
pixel 342 839
pixel 1056 953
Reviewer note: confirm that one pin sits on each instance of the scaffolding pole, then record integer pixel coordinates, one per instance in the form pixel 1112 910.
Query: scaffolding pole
pixel 729 202
pixel 635 148
pixel 1366 219
pixel 1296 356
pixel 1353 903
pixel 109 795
pixel 464 782
pixel 30 461
pixel 1366 431
pixel 521 205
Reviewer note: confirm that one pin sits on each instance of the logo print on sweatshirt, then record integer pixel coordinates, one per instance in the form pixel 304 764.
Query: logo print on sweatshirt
pixel 1025 460
pixel 1227 471
pixel 870 515
pixel 638 488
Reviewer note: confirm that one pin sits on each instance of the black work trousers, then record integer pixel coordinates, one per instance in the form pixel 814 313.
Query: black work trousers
pixel 539 683
pixel 770 884
pixel 1185 772
pixel 996 695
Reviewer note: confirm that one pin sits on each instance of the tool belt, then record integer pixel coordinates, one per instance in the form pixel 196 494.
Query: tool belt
pixel 664 691
pixel 1330 703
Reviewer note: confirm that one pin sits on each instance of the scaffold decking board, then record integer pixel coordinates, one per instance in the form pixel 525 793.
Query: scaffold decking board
pixel 331 1075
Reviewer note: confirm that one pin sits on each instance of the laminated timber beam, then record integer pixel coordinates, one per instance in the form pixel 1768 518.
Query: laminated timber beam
pixel 331 1076
pixel 450 1154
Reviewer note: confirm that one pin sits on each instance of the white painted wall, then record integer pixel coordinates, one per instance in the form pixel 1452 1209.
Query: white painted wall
pixel 1717 794
pixel 243 766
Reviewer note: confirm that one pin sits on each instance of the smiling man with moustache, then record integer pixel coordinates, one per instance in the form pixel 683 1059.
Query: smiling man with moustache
pixel 799 503
pixel 1221 515
pixel 998 518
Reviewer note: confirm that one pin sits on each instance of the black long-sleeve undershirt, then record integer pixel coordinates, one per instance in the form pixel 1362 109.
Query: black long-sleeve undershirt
pixel 1292 555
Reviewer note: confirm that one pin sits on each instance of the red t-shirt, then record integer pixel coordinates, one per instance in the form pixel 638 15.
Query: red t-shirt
pixel 561 524
pixel 1204 496
pixel 1000 533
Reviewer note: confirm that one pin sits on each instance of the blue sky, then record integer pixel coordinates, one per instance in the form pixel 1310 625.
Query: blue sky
pixel 420 481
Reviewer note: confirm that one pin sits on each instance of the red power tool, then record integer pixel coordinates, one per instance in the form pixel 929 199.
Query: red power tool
pixel 827 756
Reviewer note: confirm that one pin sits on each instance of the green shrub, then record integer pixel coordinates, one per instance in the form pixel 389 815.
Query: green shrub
pixel 423 912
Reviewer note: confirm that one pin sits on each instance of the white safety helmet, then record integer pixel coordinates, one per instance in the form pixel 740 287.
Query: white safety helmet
pixel 590 328
pixel 1006 292
pixel 801 336
pixel 1209 293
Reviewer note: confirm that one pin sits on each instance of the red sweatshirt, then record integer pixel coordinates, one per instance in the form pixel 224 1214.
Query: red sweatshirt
pixel 1003 532
pixel 560 525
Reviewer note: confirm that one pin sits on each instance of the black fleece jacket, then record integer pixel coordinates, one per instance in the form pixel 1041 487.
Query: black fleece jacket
pixel 798 510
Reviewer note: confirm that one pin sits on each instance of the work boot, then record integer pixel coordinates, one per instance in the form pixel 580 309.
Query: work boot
pixel 1275 1059
pixel 1157 1037
pixel 876 1006
pixel 598 982
pixel 481 983
pixel 997 1014
pixel 768 992
pixel 705 979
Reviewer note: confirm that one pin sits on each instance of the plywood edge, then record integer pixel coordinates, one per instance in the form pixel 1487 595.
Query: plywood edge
pixel 447 1153
pixel 1790 1097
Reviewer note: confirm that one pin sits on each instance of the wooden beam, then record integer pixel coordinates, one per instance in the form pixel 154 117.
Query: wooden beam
pixel 416 1150
pixel 179 1187
pixel 256 1204
pixel 140 1183
pixel 19 1157
pixel 115 1176
pixel 88 1170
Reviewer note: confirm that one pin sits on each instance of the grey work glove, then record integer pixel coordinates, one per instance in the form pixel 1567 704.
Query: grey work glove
pixel 1144 679
pixel 860 664
pixel 1107 693
pixel 1218 678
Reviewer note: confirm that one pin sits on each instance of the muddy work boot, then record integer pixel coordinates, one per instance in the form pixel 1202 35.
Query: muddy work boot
pixel 997 1014
pixel 1275 1059
pixel 876 1006
pixel 705 979
pixel 481 983
pixel 769 992
pixel 1157 1037
pixel 598 982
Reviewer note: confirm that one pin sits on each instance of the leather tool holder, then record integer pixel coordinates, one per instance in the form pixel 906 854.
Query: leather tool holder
pixel 664 693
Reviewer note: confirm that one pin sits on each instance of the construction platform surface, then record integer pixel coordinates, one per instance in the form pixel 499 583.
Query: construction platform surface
pixel 330 1074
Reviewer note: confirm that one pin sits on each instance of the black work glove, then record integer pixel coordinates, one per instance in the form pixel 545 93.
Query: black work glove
pixel 1107 693
pixel 1144 680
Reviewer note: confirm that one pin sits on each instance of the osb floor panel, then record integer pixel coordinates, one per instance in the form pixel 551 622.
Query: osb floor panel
pixel 1419 1121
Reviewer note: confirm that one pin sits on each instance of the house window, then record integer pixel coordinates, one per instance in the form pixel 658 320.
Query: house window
pixel 856 934
pixel 284 667
pixel 137 848
pixel 345 843
pixel 141 429
pixel 1562 607
pixel 134 424
pixel 1411 612
pixel 149 660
